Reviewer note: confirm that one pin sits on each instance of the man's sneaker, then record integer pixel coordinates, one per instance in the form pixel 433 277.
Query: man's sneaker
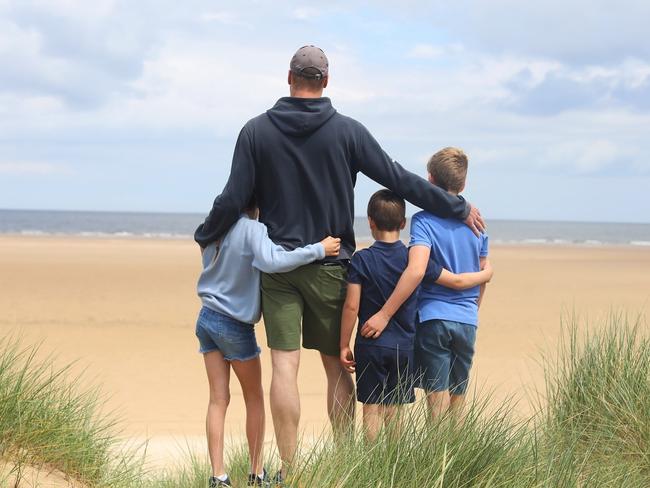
pixel 257 480
pixel 216 482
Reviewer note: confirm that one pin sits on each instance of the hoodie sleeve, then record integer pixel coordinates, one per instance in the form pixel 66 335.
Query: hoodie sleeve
pixel 268 257
pixel 228 206
pixel 373 162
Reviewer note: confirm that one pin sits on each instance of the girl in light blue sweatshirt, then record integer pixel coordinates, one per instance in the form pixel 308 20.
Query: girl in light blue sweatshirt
pixel 229 287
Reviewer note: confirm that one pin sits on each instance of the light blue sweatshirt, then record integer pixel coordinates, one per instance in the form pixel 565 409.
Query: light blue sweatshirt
pixel 230 281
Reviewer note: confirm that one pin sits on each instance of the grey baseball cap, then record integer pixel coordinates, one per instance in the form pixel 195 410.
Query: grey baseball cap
pixel 310 62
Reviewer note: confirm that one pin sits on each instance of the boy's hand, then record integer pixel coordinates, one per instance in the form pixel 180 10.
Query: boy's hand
pixel 332 245
pixel 347 359
pixel 474 221
pixel 375 325
pixel 487 266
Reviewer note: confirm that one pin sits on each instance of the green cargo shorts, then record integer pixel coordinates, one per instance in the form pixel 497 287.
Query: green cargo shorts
pixel 307 300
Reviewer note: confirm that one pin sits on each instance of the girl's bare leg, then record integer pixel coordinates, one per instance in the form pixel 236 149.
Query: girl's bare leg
pixel 249 374
pixel 218 371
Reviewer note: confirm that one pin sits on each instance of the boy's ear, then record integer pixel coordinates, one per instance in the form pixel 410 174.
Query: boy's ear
pixel 371 223
pixel 431 179
pixel 402 225
pixel 462 188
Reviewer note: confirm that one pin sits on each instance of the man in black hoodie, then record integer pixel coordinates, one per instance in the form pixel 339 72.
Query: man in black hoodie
pixel 301 160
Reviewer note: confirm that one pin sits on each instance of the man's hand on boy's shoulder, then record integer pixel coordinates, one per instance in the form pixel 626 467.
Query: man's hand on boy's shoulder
pixel 375 325
pixel 475 221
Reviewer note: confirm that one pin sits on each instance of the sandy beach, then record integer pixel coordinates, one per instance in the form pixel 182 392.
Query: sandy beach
pixel 124 311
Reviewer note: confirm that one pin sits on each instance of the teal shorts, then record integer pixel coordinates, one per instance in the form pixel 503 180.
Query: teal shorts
pixel 444 351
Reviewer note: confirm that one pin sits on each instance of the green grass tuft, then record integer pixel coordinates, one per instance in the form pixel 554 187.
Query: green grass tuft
pixel 47 421
pixel 592 430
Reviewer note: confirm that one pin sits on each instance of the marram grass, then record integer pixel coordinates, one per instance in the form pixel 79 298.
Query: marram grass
pixel 47 421
pixel 592 430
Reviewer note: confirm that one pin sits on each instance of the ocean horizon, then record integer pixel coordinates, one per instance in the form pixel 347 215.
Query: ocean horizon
pixel 153 225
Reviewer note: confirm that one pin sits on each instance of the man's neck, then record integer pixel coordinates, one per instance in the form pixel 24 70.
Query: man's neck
pixel 387 236
pixel 305 93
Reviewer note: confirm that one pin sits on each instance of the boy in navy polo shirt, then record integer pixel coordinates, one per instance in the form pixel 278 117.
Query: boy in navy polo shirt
pixel 446 333
pixel 383 363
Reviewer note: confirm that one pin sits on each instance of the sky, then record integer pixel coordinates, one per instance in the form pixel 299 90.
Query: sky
pixel 136 105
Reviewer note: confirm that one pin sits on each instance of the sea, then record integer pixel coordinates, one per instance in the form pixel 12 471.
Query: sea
pixel 125 225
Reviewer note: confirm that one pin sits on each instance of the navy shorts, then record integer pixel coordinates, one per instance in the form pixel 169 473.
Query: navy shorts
pixel 219 332
pixel 443 355
pixel 384 375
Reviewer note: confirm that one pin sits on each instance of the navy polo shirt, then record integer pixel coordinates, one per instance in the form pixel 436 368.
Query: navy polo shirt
pixel 377 269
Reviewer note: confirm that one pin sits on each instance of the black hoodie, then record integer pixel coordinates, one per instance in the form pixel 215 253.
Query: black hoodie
pixel 301 160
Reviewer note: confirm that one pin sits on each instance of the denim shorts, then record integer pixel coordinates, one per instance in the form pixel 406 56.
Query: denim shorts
pixel 384 375
pixel 219 332
pixel 443 355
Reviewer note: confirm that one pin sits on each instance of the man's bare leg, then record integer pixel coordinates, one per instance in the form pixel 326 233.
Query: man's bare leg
pixel 340 396
pixel 218 371
pixel 285 403
pixel 249 374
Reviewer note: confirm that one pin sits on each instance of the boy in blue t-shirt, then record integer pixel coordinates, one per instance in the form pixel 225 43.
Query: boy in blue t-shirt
pixel 446 333
pixel 384 363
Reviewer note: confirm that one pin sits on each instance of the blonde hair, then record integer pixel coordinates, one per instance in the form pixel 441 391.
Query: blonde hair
pixel 448 167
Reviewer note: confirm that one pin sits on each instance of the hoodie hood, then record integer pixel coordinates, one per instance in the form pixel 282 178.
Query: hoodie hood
pixel 300 116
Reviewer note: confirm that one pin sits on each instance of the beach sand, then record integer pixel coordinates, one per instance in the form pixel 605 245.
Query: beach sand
pixel 124 311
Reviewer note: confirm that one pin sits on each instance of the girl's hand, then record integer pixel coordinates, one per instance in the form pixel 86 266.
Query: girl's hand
pixel 332 245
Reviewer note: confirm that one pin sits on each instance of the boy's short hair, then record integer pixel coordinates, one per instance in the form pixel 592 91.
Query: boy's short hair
pixel 448 167
pixel 387 210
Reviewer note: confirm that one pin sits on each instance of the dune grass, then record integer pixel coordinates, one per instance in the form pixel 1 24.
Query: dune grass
pixel 48 421
pixel 597 404
pixel 592 430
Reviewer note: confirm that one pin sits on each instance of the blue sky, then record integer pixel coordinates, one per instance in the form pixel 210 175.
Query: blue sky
pixel 118 105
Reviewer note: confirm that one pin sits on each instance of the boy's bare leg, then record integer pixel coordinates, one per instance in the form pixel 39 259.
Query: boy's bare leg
pixel 218 371
pixel 456 405
pixel 340 396
pixel 438 402
pixel 285 403
pixel 392 415
pixel 249 374
pixel 373 419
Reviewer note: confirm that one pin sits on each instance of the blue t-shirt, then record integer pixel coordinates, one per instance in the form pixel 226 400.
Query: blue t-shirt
pixel 454 247
pixel 377 269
